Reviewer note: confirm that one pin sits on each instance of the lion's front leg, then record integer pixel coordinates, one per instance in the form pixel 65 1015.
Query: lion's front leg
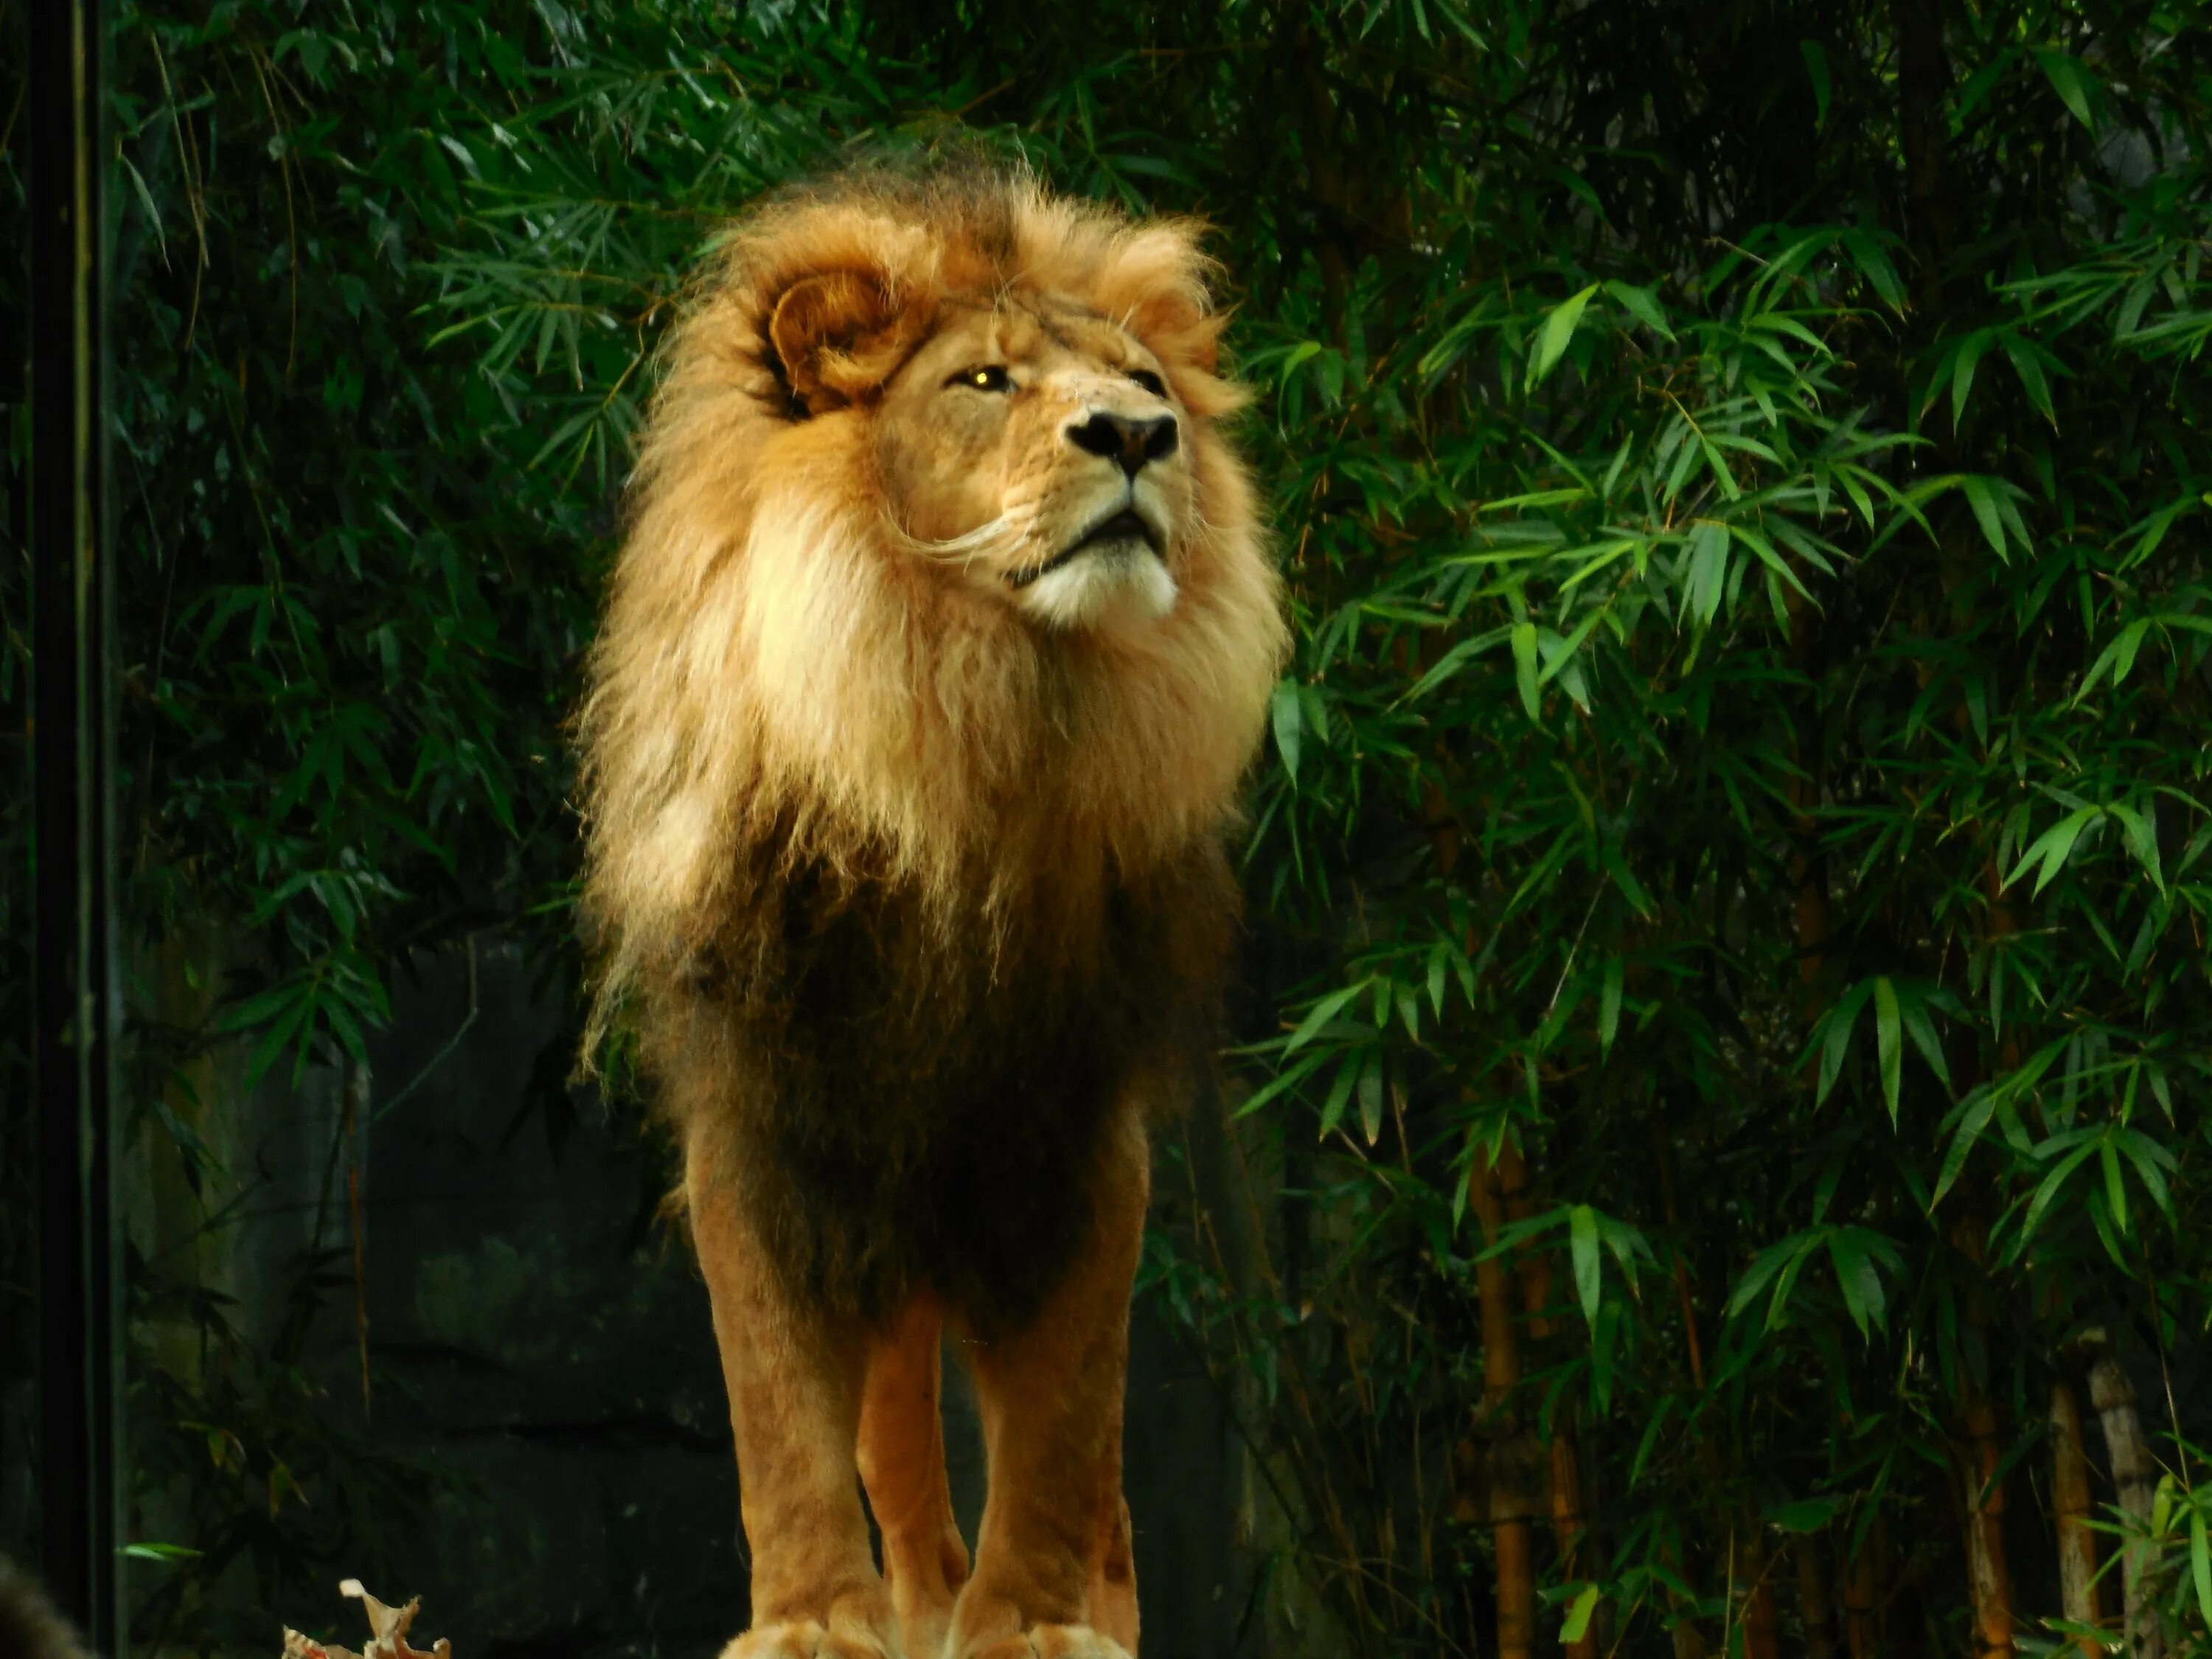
pixel 902 1467
pixel 1053 1578
pixel 794 1384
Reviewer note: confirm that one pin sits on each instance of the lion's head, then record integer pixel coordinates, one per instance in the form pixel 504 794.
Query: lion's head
pixel 940 567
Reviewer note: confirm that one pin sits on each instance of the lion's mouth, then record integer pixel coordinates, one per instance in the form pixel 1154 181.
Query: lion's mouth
pixel 1126 525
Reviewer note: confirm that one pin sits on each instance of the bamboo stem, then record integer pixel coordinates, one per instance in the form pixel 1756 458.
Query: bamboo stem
pixel 1989 1578
pixel 1813 1598
pixel 1862 1611
pixel 2070 1494
pixel 2134 1479
pixel 1762 1637
pixel 1567 1523
pixel 1533 1269
pixel 1501 1373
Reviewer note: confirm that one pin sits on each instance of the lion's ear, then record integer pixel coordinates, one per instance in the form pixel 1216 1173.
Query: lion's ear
pixel 839 336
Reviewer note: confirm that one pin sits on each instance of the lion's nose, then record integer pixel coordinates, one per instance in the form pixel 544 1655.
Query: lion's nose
pixel 1131 441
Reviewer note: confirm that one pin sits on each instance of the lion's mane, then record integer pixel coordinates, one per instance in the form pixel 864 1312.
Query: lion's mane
pixel 886 869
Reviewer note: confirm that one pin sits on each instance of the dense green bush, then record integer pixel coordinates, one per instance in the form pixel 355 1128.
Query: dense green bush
pixel 1729 877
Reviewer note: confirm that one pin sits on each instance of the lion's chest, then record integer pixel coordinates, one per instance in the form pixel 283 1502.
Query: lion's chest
pixel 921 1104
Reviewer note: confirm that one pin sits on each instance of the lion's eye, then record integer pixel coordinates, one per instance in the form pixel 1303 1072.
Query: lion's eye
pixel 1150 381
pixel 992 377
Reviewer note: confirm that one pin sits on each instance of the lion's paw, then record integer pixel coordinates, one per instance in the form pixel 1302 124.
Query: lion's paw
pixel 803 1640
pixel 1055 1642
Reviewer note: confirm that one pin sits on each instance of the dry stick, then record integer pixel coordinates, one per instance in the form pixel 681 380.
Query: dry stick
pixel 2069 1497
pixel 1501 1373
pixel 2135 1479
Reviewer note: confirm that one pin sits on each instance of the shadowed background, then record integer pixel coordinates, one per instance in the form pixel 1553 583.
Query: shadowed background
pixel 1722 1028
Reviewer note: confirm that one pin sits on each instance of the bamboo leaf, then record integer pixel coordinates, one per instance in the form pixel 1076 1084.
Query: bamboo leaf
pixel 2119 657
pixel 1972 1121
pixel 2116 1189
pixel 1982 498
pixel 1585 1604
pixel 1524 668
pixel 1582 1243
pixel 1288 720
pixel 2141 840
pixel 1921 1030
pixel 1608 1007
pixel 1282 1083
pixel 1889 1046
pixel 1340 1093
pixel 1641 304
pixel 1875 266
pixel 2030 370
pixel 1807 1515
pixel 1551 339
pixel 2053 845
pixel 1816 69
pixel 1370 1098
pixel 2200 1563
pixel 1840 1021
pixel 2071 81
pixel 1319 1015
pixel 2049 1189
pixel 1963 362
pixel 1856 1274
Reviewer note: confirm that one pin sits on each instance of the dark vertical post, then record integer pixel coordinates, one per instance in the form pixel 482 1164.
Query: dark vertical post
pixel 74 1001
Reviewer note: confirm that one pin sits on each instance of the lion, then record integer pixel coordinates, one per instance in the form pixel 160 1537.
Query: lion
pixel 940 639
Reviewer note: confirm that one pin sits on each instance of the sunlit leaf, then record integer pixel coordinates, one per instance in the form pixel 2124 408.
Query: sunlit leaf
pixel 1551 338
pixel 2071 81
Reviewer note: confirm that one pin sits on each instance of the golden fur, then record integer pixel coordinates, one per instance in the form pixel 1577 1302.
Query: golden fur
pixel 942 634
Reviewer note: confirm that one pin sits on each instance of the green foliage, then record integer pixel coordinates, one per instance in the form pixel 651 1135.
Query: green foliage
pixel 1743 483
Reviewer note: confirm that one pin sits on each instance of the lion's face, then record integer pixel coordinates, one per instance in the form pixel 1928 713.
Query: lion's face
pixel 1037 450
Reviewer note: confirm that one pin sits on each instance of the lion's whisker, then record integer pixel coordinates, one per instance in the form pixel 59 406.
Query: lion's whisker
pixel 998 535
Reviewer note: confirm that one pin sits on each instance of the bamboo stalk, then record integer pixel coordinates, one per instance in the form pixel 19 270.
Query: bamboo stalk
pixel 1501 1373
pixel 1813 1598
pixel 1534 1269
pixel 1989 1578
pixel 1762 1637
pixel 1861 1610
pixel 2134 1479
pixel 2070 1495
pixel 1567 1522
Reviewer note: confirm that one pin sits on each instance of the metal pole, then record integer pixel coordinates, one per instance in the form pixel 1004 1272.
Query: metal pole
pixel 74 999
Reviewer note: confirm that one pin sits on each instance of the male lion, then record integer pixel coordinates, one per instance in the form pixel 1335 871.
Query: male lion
pixel 942 634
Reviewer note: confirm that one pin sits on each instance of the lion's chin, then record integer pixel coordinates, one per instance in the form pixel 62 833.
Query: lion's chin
pixel 1120 585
